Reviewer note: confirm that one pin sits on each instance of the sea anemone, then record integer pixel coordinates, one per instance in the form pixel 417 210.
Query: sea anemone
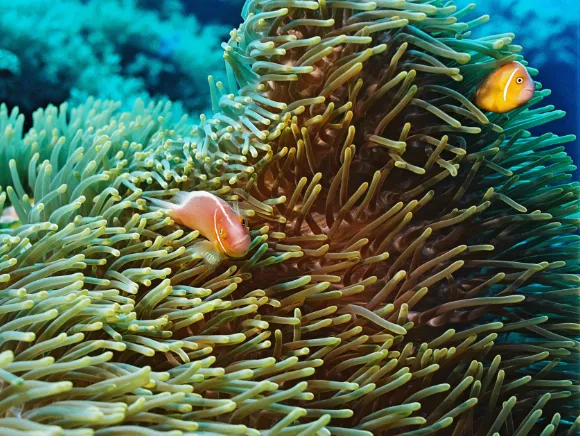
pixel 413 267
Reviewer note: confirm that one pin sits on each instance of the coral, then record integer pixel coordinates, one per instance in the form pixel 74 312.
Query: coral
pixel 9 64
pixel 413 268
pixel 112 49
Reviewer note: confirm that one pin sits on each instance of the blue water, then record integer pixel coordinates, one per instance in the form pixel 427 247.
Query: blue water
pixel 541 27
pixel 52 52
pixel 549 32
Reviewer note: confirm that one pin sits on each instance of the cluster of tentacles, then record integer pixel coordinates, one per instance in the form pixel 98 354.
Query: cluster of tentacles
pixel 413 267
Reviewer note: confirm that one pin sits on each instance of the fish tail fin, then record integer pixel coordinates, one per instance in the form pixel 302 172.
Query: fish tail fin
pixel 161 203
pixel 16 411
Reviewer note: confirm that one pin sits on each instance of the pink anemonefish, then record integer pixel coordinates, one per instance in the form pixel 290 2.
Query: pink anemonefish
pixel 213 217
pixel 9 216
pixel 505 89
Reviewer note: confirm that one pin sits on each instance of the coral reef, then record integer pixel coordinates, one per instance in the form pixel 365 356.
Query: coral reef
pixel 413 268
pixel 111 49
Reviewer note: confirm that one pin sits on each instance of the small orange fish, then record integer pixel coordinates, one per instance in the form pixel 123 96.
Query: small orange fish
pixel 505 89
pixel 213 217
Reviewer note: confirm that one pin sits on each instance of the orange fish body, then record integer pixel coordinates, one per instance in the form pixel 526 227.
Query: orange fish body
pixel 505 89
pixel 213 217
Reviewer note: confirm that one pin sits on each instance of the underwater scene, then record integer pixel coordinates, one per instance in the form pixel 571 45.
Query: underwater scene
pixel 289 217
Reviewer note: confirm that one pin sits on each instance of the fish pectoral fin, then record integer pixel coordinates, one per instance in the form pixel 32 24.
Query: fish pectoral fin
pixel 210 254
pixel 487 103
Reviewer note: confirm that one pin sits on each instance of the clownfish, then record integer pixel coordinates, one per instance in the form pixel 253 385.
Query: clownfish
pixel 505 89
pixel 214 218
pixel 9 216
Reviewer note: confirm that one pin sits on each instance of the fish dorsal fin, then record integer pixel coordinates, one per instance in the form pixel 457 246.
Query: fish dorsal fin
pixel 235 205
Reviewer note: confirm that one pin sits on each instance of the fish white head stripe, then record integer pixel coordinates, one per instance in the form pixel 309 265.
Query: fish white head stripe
pixel 509 82
pixel 217 232
pixel 219 205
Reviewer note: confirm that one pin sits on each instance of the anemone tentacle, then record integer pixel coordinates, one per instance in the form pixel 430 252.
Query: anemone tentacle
pixel 413 269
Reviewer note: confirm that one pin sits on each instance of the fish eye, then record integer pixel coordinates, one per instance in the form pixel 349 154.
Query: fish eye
pixel 221 231
pixel 520 80
pixel 243 222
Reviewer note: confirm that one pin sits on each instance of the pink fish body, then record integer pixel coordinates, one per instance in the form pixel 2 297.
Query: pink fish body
pixel 8 215
pixel 213 218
